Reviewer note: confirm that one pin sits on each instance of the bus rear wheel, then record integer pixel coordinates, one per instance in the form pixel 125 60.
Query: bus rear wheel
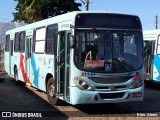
pixel 16 74
pixel 16 77
pixel 51 92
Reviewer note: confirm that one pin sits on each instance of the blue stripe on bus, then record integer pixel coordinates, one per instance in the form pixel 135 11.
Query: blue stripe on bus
pixel 156 62
pixel 35 72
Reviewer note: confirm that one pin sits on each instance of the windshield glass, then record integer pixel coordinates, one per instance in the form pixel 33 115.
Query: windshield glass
pixel 108 51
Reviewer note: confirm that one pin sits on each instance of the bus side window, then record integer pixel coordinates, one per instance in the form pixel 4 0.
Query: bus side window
pixel 40 40
pixel 7 43
pixel 50 38
pixel 16 42
pixel 22 41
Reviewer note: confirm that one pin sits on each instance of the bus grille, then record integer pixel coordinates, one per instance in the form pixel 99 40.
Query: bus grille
pixel 111 95
pixel 107 87
pixel 110 80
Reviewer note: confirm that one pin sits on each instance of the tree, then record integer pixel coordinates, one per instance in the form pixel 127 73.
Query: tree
pixel 35 10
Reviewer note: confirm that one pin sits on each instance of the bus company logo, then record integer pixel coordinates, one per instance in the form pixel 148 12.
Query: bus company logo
pixel 112 87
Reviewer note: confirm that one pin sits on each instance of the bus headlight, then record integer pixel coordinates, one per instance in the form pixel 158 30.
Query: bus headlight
pixel 137 84
pixel 82 84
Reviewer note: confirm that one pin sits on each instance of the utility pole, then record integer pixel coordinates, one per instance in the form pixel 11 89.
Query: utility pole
pixel 86 4
pixel 156 22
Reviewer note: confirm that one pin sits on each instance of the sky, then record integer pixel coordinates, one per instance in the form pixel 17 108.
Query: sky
pixel 7 7
pixel 145 9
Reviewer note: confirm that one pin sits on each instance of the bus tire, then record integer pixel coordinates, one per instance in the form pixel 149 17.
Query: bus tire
pixel 51 92
pixel 16 76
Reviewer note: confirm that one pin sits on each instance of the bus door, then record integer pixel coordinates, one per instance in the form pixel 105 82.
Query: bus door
pixel 149 47
pixel 11 58
pixel 28 58
pixel 62 64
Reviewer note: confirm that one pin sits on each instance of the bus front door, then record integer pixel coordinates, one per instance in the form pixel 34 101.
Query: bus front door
pixel 62 64
pixel 148 59
pixel 28 58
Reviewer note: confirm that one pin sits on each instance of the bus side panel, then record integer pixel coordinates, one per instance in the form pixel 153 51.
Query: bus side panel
pixel 16 60
pixel 34 71
pixel 6 63
pixel 48 67
pixel 21 67
pixel 156 68
pixel 9 54
pixel 156 61
pixel 39 70
pixel 41 65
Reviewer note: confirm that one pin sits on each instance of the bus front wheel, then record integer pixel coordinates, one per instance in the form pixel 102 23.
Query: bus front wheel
pixel 51 92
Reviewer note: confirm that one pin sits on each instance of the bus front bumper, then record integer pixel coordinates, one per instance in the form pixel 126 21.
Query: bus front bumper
pixel 79 96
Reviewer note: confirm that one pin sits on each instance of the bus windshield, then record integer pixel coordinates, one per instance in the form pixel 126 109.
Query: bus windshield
pixel 108 51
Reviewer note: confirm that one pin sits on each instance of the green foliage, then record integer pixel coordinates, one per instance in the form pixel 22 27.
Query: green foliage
pixel 35 10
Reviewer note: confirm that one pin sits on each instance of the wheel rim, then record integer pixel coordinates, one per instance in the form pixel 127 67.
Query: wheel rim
pixel 51 90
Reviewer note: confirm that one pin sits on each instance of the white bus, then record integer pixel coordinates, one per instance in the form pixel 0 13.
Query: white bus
pixel 152 55
pixel 80 57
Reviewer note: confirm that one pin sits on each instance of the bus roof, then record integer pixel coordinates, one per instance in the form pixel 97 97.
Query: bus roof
pixel 58 19
pixel 151 34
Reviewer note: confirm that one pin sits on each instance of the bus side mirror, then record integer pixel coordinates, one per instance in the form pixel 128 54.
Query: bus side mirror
pixel 71 41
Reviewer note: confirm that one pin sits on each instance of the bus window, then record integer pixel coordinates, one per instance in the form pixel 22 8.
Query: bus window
pixel 100 49
pixel 7 43
pixel 129 45
pixel 158 46
pixel 50 38
pixel 40 40
pixel 16 42
pixel 22 41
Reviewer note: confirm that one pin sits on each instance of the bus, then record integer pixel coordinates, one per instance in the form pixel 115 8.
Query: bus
pixel 152 55
pixel 80 57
